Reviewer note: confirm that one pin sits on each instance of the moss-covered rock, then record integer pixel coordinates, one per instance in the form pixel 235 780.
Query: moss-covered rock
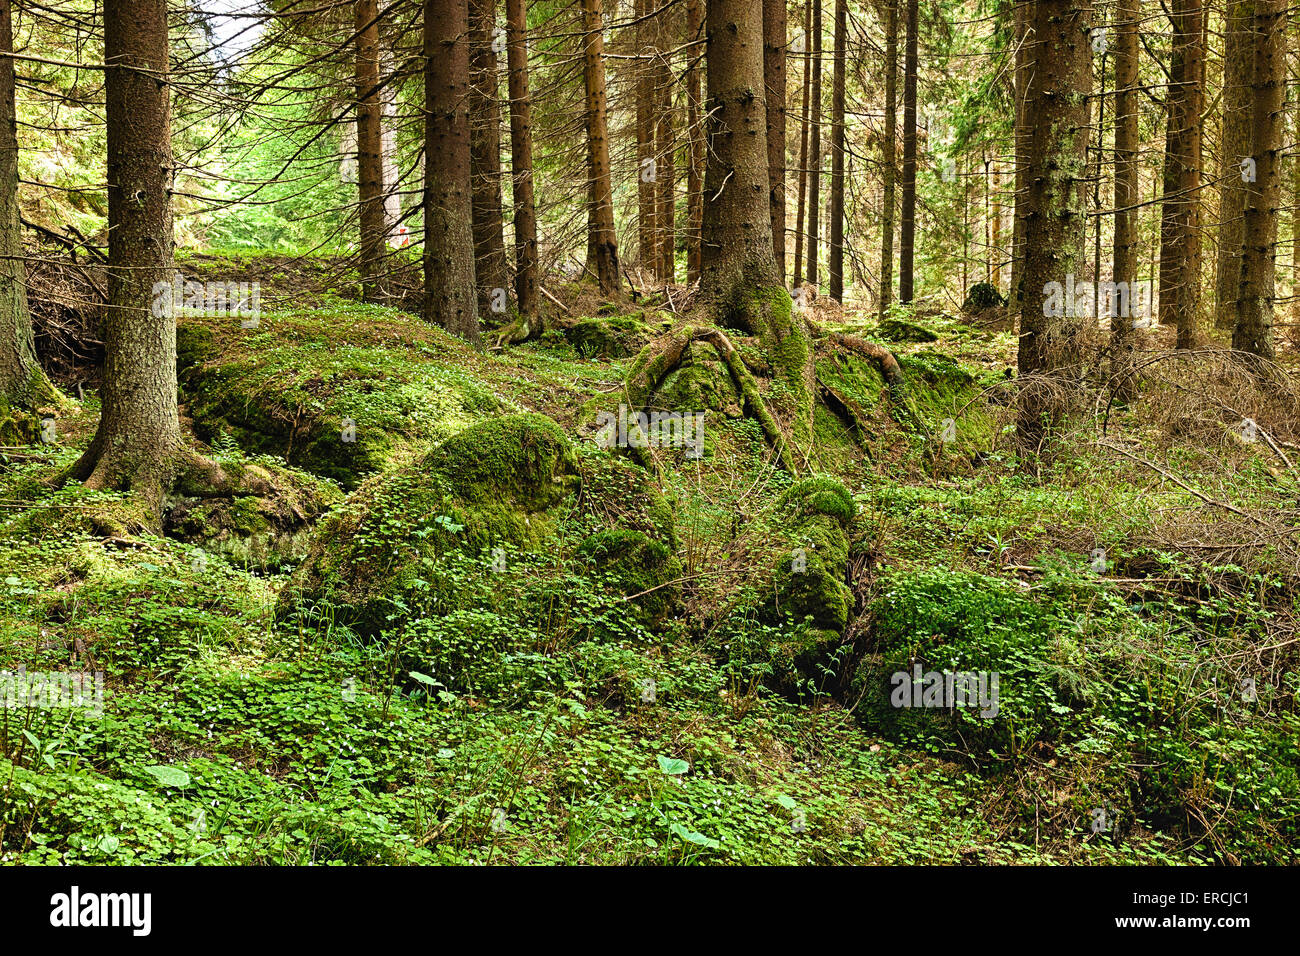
pixel 498 482
pixel 900 330
pixel 809 583
pixel 644 570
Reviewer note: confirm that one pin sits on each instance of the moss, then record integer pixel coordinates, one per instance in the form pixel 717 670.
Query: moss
pixel 616 336
pixel 493 484
pixel 899 330
pixel 17 427
pixel 820 495
pixel 641 568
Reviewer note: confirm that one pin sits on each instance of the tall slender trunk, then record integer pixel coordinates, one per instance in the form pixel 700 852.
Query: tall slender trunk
pixel 1253 332
pixel 665 149
pixel 1055 207
pixel 774 45
pixel 137 446
pixel 815 149
pixel 602 244
pixel 521 166
pixel 695 159
pixel 907 229
pixel 835 267
pixel 1234 148
pixel 22 382
pixel 1020 133
pixel 370 149
pixel 450 296
pixel 1124 263
pixel 1180 232
pixel 647 200
pixel 801 215
pixel 888 158
pixel 490 267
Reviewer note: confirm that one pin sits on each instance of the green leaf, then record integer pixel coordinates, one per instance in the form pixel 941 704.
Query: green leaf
pixel 423 678
pixel 109 844
pixel 690 836
pixel 787 802
pixel 672 766
pixel 169 776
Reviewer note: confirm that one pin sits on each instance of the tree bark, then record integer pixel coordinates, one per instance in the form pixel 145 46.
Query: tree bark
pixel 695 170
pixel 521 165
pixel 370 149
pixel 602 245
pixel 740 284
pixel 647 203
pixel 1253 332
pixel 907 230
pixel 1020 30
pixel 835 267
pixel 815 149
pixel 137 446
pixel 801 215
pixel 492 273
pixel 774 46
pixel 450 296
pixel 1060 78
pixel 1238 66
pixel 888 158
pixel 665 148
pixel 1180 232
pixel 1124 263
pixel 22 381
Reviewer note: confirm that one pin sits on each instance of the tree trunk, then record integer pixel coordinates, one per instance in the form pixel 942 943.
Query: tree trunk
pixel 137 446
pixel 907 230
pixel 1180 232
pixel 835 268
pixel 1235 147
pixel 602 245
pixel 815 149
pixel 370 149
pixel 801 215
pixel 774 45
pixel 1055 209
pixel 1020 30
pixel 665 148
pixel 1253 332
pixel 492 274
pixel 450 297
pixel 1124 263
pixel 22 381
pixel 889 158
pixel 740 283
pixel 647 200
pixel 521 166
pixel 695 170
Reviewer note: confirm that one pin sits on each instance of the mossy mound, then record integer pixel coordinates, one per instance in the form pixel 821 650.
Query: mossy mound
pixel 900 330
pixel 609 336
pixel 809 584
pixel 324 395
pixel 982 295
pixel 494 484
pixel 643 570
pixel 262 517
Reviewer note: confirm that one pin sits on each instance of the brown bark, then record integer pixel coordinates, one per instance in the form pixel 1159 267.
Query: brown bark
pixel 1124 263
pixel 450 296
pixel 774 46
pixel 888 158
pixel 1020 25
pixel 137 446
pixel 1238 67
pixel 370 149
pixel 647 200
pixel 665 149
pixel 1180 232
pixel 602 244
pixel 521 163
pixel 835 267
pixel 695 159
pixel 1253 331
pixel 490 267
pixel 22 381
pixel 1055 207
pixel 804 118
pixel 907 226
pixel 813 239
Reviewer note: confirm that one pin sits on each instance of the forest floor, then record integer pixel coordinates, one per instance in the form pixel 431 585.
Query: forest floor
pixel 437 629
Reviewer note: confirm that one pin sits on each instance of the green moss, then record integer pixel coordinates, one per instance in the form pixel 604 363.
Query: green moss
pixel 616 336
pixel 900 330
pixel 820 495
pixel 641 569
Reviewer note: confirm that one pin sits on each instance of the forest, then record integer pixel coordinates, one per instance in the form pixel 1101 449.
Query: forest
pixel 649 432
